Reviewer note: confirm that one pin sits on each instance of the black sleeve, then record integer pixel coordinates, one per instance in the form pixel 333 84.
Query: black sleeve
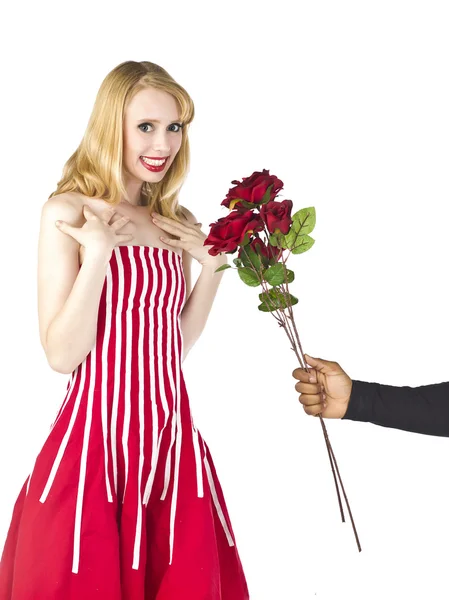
pixel 423 409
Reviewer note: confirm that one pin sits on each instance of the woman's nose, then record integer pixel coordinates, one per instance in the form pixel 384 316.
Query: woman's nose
pixel 161 141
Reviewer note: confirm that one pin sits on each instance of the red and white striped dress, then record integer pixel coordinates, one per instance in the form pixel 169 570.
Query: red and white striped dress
pixel 123 502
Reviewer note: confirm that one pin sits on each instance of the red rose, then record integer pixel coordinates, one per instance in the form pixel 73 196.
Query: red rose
pixel 261 248
pixel 252 189
pixel 277 215
pixel 228 232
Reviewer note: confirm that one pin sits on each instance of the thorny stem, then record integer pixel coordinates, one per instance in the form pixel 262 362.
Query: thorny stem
pixel 282 320
pixel 290 310
pixel 284 323
pixel 330 451
pixel 303 365
pixel 343 489
pixel 333 461
pixel 330 454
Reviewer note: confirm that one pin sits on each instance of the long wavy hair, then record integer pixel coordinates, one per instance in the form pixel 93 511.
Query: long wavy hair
pixel 95 168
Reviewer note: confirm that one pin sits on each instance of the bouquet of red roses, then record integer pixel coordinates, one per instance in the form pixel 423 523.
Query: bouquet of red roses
pixel 262 262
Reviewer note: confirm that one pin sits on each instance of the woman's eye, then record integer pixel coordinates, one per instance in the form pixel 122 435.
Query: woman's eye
pixel 178 125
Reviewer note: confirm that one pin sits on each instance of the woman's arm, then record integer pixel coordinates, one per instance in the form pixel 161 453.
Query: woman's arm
pixel 68 296
pixel 199 301
pixel 197 307
pixel 423 409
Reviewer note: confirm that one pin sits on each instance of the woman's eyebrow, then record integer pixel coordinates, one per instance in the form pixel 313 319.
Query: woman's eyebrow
pixel 156 120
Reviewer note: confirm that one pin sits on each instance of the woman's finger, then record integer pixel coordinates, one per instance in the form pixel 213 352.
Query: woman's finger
pixel 173 226
pixel 107 213
pixel 125 237
pixel 165 225
pixel 120 223
pixel 190 236
pixel 172 242
pixel 65 227
pixel 88 212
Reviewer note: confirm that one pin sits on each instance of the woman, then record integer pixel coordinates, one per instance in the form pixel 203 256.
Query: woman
pixel 123 501
pixel 328 390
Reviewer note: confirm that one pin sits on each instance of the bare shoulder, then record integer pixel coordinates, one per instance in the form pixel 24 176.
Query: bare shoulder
pixel 66 206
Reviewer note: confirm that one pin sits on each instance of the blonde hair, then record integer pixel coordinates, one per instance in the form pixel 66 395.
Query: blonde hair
pixel 95 168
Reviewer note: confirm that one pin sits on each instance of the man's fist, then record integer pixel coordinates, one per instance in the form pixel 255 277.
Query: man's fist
pixel 326 389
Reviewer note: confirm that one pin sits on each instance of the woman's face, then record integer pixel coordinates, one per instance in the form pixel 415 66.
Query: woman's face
pixel 151 130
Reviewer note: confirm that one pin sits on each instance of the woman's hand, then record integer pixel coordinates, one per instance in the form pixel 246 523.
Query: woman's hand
pixel 191 239
pixel 326 389
pixel 96 232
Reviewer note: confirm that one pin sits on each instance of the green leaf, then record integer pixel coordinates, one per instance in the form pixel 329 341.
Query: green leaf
pixel 285 299
pixel 266 196
pixel 246 239
pixel 304 220
pixel 275 300
pixel 265 261
pixel 290 275
pixel 238 262
pixel 297 242
pixel 248 276
pixel 244 258
pixel 223 267
pixel 273 259
pixel 275 274
pixel 292 239
pixel 247 204
pixel 264 308
pixel 277 239
pixel 304 243
pixel 249 258
pixel 291 299
pixel 270 301
pixel 272 293
pixel 253 257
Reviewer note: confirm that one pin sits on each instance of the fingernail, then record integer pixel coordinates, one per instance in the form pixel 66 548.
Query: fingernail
pixel 312 379
pixel 325 404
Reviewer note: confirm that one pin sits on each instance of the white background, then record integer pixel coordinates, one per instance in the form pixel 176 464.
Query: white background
pixel 346 102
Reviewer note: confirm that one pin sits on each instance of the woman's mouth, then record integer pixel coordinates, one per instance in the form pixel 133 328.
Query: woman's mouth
pixel 152 164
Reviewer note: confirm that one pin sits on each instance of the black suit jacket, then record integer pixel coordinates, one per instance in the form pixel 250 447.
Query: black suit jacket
pixel 423 409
